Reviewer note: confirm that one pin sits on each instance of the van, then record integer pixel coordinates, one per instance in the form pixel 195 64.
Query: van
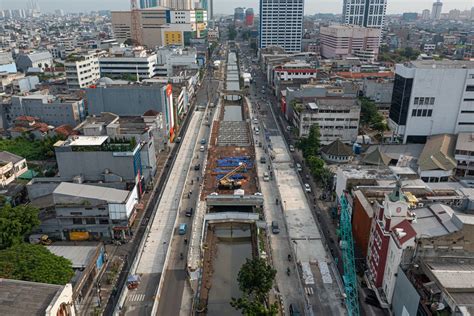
pixel 298 167
pixel 182 229
pixel 275 228
pixel 266 177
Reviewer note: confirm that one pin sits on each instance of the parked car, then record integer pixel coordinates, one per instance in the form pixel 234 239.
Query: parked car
pixel 203 141
pixel 263 159
pixel 266 177
pixel 292 148
pixel 178 140
pixel 294 310
pixel 275 228
pixel 197 167
pixel 307 188
pixel 182 229
pixel 201 148
pixel 298 167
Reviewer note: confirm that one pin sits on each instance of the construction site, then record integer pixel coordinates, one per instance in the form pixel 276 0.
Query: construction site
pixel 233 204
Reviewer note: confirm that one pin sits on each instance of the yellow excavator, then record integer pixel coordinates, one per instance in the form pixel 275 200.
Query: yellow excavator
pixel 226 183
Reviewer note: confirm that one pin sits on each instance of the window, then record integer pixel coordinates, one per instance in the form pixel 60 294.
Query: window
pixel 76 213
pixel 422 101
pixel 424 112
pixel 470 88
pixel 417 100
pixel 413 113
pixel 90 221
pixel 103 221
pixel 432 101
pixel 430 112
pixel 77 221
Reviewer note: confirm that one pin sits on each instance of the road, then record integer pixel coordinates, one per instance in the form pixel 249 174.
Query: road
pixel 173 285
pixel 319 209
pixel 152 258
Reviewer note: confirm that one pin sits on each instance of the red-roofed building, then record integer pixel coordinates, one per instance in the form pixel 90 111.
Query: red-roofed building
pixel 402 236
pixel 365 75
pixel 65 131
pixel 393 211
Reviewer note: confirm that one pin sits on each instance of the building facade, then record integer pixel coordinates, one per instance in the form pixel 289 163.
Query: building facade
pixel 281 24
pixel 337 118
pixel 145 4
pixel 117 99
pixel 88 212
pixel 368 13
pixel 11 167
pixel 53 110
pixel 249 17
pixel 464 155
pixel 82 71
pixel 340 41
pixel 432 97
pixel 436 10
pixel 162 26
pixel 39 60
pixel 140 65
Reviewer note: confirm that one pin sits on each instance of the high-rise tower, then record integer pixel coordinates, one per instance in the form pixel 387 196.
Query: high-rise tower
pixel 368 13
pixel 436 11
pixel 281 24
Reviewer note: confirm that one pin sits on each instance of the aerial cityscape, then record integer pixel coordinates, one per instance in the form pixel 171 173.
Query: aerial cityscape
pixel 237 157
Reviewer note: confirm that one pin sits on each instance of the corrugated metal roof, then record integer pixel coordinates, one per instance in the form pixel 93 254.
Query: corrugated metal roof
pixel 79 255
pixel 438 153
pixel 92 192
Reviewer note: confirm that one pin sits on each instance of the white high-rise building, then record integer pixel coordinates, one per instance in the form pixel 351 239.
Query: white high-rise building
pixel 368 13
pixel 425 15
pixel 82 70
pixel 432 97
pixel 281 24
pixel 436 11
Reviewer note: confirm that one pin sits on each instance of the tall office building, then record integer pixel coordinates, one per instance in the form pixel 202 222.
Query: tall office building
pixel 425 15
pixel 368 13
pixel 239 14
pixel 144 4
pixel 281 24
pixel 436 11
pixel 249 17
pixel 178 4
pixel 208 5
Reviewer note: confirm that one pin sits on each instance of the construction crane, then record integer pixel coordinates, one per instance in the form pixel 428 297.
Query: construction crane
pixel 135 28
pixel 227 183
pixel 347 245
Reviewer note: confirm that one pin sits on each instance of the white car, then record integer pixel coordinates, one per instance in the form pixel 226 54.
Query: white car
pixel 292 148
pixel 307 188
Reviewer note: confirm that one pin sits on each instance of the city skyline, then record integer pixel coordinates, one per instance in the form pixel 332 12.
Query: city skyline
pixel 227 6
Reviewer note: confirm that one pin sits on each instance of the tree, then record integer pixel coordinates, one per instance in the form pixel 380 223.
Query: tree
pixel 15 223
pixel 310 145
pixel 256 278
pixel 34 263
pixel 253 308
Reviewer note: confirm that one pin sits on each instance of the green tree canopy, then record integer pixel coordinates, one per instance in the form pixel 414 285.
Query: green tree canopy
pixel 253 308
pixel 15 223
pixel 256 278
pixel 310 145
pixel 34 263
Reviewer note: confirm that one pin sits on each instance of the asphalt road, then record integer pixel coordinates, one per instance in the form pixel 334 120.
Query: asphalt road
pixel 173 284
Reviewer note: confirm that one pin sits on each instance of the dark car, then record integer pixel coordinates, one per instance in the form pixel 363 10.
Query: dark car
pixel 294 311
pixel 197 167
pixel 189 212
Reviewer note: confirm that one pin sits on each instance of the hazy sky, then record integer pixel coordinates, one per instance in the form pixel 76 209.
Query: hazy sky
pixel 226 6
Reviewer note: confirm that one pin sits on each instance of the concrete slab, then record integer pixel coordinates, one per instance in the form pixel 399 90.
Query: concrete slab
pixel 158 239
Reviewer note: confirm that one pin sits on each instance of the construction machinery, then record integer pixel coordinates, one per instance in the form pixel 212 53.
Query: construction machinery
pixel 227 183
pixel 347 246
